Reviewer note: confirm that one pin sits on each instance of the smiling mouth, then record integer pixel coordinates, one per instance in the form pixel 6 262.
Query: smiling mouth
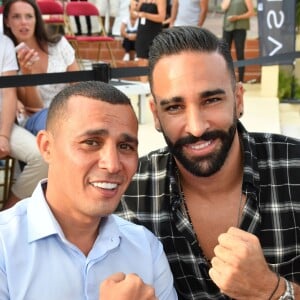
pixel 200 146
pixel 104 185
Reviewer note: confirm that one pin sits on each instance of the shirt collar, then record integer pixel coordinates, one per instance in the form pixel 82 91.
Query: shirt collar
pixel 251 177
pixel 42 223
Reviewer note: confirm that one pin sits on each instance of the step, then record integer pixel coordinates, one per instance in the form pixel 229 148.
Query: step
pixel 90 51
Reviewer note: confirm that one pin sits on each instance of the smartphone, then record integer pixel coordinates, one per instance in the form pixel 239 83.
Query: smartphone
pixel 21 46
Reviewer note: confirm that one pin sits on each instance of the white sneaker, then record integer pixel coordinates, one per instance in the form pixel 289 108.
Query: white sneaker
pixel 126 57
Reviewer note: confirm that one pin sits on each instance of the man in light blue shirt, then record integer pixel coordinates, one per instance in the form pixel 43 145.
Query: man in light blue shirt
pixel 63 242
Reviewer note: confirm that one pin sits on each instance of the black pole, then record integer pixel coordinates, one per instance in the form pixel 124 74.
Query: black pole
pixel 102 72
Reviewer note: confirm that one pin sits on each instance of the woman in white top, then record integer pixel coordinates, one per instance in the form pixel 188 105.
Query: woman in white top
pixel 15 141
pixel 22 22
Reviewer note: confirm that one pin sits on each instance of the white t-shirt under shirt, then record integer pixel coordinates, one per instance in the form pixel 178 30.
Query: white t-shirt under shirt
pixel 188 13
pixel 8 61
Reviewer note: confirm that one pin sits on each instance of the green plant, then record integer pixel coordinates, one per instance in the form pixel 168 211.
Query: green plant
pixel 285 86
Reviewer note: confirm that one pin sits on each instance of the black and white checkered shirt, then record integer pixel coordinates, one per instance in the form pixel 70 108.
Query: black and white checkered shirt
pixel 272 212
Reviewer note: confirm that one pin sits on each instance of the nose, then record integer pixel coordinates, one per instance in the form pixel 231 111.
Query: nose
pixel 109 159
pixel 24 19
pixel 196 122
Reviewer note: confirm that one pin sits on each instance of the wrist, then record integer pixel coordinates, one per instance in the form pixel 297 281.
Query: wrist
pixel 288 291
pixel 276 287
pixel 4 136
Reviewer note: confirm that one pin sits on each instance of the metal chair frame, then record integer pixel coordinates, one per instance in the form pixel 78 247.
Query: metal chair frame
pixel 85 8
pixel 8 169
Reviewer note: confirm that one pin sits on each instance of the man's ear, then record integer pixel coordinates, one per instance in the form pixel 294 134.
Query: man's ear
pixel 239 98
pixel 153 107
pixel 44 141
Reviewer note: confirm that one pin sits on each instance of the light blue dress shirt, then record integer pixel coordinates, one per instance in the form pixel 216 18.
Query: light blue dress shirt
pixel 37 262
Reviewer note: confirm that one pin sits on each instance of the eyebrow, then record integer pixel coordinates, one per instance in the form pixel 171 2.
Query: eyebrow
pixel 205 94
pixel 104 132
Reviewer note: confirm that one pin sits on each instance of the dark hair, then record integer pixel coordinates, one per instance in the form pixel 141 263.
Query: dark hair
pixel 91 89
pixel 40 32
pixel 187 38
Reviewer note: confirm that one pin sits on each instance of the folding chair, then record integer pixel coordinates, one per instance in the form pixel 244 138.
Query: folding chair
pixel 85 8
pixel 52 12
pixel 7 170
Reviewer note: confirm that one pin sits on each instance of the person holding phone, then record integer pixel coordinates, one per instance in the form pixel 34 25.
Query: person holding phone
pixel 15 141
pixel 42 53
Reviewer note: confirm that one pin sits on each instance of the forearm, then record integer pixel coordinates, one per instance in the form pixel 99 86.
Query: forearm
pixel 123 30
pixel 246 15
pixel 161 13
pixel 158 18
pixel 8 111
pixel 225 4
pixel 30 97
pixel 174 10
pixel 203 12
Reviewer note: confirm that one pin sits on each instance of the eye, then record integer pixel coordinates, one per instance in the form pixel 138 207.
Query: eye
pixel 91 142
pixel 173 108
pixel 16 16
pixel 212 100
pixel 128 147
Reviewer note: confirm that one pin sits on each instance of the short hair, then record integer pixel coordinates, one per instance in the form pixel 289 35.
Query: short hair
pixel 96 90
pixel 188 38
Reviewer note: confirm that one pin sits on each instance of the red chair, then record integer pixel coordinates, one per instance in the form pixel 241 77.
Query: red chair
pixel 84 8
pixel 52 12
pixel 1 9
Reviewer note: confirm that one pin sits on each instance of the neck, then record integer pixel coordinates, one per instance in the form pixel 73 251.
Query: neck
pixel 78 229
pixel 82 234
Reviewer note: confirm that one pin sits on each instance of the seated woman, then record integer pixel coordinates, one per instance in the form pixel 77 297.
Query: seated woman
pixel 39 53
pixel 15 141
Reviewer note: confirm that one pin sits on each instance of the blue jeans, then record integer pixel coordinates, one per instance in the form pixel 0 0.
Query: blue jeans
pixel 37 121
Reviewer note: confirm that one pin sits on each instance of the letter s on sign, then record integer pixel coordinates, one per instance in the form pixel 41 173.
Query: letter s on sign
pixel 272 16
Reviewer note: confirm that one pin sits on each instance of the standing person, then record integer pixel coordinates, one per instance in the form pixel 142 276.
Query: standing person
pixel 78 24
pixel 15 141
pixel 167 21
pixel 189 13
pixel 235 25
pixel 40 53
pixel 151 14
pixel 63 241
pixel 128 31
pixel 223 201
pixel 108 8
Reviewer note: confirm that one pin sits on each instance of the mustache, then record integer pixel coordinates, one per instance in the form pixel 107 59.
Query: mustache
pixel 210 135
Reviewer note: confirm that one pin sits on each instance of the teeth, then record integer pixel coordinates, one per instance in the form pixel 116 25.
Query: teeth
pixel 104 185
pixel 200 146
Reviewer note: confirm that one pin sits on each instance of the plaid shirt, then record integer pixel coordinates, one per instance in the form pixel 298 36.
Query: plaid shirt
pixel 271 183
